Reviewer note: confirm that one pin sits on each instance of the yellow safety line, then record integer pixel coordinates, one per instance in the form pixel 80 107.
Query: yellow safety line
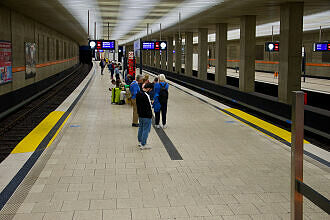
pixel 34 138
pixel 286 135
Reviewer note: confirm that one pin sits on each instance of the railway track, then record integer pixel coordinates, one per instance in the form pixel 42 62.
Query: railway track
pixel 21 122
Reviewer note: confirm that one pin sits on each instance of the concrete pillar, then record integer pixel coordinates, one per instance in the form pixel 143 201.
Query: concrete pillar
pixel 291 30
pixel 157 56
pixel 247 53
pixel 188 53
pixel 221 54
pixel 151 58
pixel 170 54
pixel 163 59
pixel 178 54
pixel 202 53
pixel 146 57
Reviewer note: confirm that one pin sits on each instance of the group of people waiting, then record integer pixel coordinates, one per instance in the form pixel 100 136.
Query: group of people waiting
pixel 144 97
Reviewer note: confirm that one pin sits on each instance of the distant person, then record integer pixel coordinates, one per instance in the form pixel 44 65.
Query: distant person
pixel 160 100
pixel 152 92
pixel 112 85
pixel 146 79
pixel 135 89
pixel 111 69
pixel 102 65
pixel 117 72
pixel 145 116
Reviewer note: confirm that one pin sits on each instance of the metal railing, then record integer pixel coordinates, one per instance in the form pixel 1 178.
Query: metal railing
pixel 298 187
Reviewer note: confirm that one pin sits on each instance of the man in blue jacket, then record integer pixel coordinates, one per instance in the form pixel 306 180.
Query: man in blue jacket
pixel 135 89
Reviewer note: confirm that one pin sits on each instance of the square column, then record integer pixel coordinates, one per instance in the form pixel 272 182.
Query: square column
pixel 248 54
pixel 157 59
pixel 202 53
pixel 170 54
pixel 221 54
pixel 163 59
pixel 291 29
pixel 188 53
pixel 178 54
pixel 152 60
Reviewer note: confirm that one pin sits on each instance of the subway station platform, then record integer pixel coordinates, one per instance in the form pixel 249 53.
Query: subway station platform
pixel 205 165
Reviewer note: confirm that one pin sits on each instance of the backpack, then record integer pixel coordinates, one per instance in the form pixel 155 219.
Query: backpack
pixel 163 94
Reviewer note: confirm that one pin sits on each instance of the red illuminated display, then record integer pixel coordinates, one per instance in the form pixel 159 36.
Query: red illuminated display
pixel 157 45
pixel 99 44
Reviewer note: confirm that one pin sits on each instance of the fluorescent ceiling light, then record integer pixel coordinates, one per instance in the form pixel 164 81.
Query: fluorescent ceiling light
pixel 187 9
pixel 133 12
pixel 79 10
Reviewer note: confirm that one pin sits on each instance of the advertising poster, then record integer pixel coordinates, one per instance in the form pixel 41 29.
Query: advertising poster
pixel 30 60
pixel 137 48
pixel 6 74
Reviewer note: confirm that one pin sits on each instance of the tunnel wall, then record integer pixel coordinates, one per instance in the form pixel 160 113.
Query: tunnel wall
pixel 54 51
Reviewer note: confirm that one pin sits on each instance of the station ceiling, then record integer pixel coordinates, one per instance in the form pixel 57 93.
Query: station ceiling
pixel 126 20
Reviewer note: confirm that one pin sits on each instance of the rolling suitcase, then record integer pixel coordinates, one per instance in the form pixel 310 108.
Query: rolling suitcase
pixel 115 98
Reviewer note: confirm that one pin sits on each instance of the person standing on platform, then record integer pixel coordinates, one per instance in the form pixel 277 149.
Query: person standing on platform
pixel 117 72
pixel 160 100
pixel 135 89
pixel 144 110
pixel 111 68
pixel 102 65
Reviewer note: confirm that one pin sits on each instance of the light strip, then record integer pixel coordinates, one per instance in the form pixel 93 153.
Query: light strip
pixel 79 10
pixel 188 9
pixel 132 12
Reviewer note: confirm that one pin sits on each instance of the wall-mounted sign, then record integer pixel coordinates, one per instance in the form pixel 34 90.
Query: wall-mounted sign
pixel 321 46
pixel 108 44
pixel 30 60
pixel 102 44
pixel 154 45
pixel 5 62
pixel 148 45
pixel 272 46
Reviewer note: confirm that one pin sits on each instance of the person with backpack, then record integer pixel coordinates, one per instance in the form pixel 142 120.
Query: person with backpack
pixel 160 100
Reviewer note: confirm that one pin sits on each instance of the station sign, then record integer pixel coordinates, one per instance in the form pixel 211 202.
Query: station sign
pixel 102 44
pixel 272 46
pixel 321 46
pixel 154 45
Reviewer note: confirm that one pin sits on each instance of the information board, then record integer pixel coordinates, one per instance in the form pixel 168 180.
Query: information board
pixel 108 44
pixel 154 45
pixel 272 46
pixel 102 44
pixel 321 46
pixel 148 45
pixel 6 74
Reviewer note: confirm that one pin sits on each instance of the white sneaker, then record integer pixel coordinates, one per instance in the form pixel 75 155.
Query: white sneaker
pixel 164 126
pixel 157 126
pixel 147 146
pixel 139 144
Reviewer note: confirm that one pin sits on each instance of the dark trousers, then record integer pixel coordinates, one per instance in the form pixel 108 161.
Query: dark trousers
pixel 163 110
pixel 112 72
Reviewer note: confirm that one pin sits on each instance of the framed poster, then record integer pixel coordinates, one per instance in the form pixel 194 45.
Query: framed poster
pixel 30 60
pixel 6 74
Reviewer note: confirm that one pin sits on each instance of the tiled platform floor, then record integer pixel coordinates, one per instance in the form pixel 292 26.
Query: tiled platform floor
pixel 96 171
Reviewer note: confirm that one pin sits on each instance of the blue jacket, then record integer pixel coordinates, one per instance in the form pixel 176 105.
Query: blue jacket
pixel 134 88
pixel 156 104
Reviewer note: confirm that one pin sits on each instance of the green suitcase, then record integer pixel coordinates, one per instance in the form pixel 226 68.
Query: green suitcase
pixel 115 98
